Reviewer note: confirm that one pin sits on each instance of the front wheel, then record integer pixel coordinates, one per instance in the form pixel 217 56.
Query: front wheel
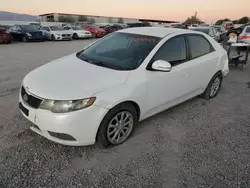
pixel 213 87
pixel 24 39
pixel 75 36
pixel 53 38
pixel 117 125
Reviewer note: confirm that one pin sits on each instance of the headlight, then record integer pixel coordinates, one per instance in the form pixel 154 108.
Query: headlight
pixel 28 34
pixel 66 106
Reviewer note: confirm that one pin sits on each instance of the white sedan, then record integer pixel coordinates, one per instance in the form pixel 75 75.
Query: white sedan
pixel 56 33
pixel 100 93
pixel 78 32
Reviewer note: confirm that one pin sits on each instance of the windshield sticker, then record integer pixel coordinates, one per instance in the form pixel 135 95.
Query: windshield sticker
pixel 135 39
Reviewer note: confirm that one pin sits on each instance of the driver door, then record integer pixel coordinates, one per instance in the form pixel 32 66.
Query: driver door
pixel 166 89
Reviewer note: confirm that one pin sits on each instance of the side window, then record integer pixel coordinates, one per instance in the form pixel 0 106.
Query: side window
pixel 174 51
pixel 67 28
pixel 199 46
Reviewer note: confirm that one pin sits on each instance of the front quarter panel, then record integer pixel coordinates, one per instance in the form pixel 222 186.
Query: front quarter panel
pixel 134 89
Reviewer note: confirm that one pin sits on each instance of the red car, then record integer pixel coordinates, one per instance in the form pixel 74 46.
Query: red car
pixel 95 31
pixel 5 37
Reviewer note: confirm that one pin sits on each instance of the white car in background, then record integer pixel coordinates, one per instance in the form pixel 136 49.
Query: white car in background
pixel 56 33
pixel 245 35
pixel 78 32
pixel 100 93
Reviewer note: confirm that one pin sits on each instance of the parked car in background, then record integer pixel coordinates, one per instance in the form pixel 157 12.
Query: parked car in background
pixel 228 25
pixel 180 26
pixel 129 25
pixel 98 94
pixel 78 32
pixel 5 37
pixel 26 33
pixel 94 30
pixel 209 31
pixel 112 28
pixel 7 27
pixel 238 30
pixel 222 32
pixel 56 33
pixel 37 24
pixel 245 35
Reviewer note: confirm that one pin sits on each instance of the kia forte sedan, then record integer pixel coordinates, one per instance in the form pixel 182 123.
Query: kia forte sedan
pixel 100 93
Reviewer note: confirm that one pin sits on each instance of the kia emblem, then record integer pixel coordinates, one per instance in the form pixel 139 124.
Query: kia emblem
pixel 25 97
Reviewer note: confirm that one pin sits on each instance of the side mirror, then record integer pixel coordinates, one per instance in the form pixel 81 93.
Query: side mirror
pixel 161 65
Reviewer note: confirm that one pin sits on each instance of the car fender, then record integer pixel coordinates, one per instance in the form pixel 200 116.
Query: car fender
pixel 128 91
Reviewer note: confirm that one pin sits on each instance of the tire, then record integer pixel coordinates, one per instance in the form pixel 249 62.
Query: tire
pixel 126 110
pixel 213 87
pixel 24 39
pixel 53 38
pixel 94 35
pixel 75 36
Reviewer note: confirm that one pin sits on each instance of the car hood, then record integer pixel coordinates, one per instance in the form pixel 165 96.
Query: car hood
pixel 61 32
pixel 101 30
pixel 70 78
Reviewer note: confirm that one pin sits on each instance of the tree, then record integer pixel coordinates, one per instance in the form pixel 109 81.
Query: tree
pixel 82 18
pixel 219 22
pixel 120 20
pixel 91 20
pixel 243 20
pixel 193 20
pixel 235 21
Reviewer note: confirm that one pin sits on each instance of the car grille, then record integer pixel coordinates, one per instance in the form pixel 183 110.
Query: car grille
pixel 30 99
pixel 65 35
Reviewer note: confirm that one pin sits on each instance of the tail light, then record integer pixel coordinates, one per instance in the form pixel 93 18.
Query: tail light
pixel 245 37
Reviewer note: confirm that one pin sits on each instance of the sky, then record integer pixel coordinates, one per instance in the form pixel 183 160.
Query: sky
pixel 175 10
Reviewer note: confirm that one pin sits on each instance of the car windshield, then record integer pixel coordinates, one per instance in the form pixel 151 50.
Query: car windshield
pixel 55 28
pixel 219 29
pixel 76 28
pixel 204 30
pixel 29 28
pixel 248 30
pixel 120 51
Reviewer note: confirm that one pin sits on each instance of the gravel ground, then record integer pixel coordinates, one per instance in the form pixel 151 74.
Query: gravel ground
pixel 196 144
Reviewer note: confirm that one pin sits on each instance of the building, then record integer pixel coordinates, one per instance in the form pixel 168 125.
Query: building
pixel 57 17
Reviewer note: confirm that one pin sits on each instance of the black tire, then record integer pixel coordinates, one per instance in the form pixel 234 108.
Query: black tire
pixel 53 38
pixel 24 39
pixel 75 36
pixel 207 93
pixel 101 138
pixel 10 41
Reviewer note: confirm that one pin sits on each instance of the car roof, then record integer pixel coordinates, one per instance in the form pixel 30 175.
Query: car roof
pixel 201 27
pixel 154 31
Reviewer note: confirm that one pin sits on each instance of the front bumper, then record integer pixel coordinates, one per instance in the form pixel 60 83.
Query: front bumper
pixel 63 37
pixel 36 38
pixel 85 35
pixel 80 125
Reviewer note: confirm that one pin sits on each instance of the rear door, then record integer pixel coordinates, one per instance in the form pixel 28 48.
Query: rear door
pixel 203 60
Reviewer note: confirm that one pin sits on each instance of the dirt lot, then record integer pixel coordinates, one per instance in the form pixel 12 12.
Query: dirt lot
pixel 196 144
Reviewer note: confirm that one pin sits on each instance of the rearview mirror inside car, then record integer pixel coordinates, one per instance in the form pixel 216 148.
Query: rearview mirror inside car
pixel 161 65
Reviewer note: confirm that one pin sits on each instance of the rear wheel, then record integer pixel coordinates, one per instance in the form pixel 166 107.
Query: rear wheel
pixel 117 125
pixel 213 87
pixel 53 37
pixel 75 36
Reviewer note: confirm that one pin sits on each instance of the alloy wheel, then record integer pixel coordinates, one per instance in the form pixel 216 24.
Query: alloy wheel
pixel 120 127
